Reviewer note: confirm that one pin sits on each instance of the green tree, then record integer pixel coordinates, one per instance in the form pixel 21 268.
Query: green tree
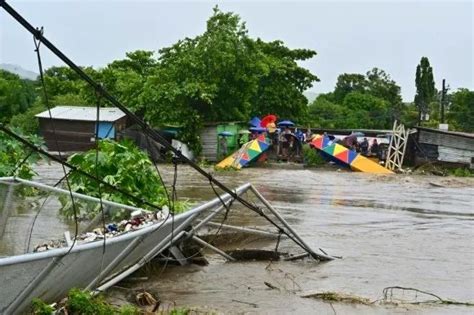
pixel 224 75
pixel 381 85
pixel 347 83
pixel 16 95
pixel 64 84
pixel 461 110
pixel 425 87
pixel 325 113
pixel 360 101
pixel 366 111
pixel 282 81
pixel 126 78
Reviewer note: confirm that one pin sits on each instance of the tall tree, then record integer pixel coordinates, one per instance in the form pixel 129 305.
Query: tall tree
pixel 282 81
pixel 425 87
pixel 225 75
pixel 381 85
pixel 325 113
pixel 461 110
pixel 366 111
pixel 16 95
pixel 347 83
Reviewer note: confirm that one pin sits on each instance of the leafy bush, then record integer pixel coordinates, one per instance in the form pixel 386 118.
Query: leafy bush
pixel 123 165
pixel 462 172
pixel 12 153
pixel 26 120
pixel 41 308
pixel 312 157
pixel 84 303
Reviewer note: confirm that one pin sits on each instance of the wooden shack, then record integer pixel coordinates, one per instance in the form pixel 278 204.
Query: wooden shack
pixel 73 128
pixel 445 147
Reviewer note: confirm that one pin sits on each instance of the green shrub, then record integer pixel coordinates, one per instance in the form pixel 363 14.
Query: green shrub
pixel 180 311
pixel 12 153
pixel 312 156
pixel 123 165
pixel 128 310
pixel 84 303
pixel 462 172
pixel 81 302
pixel 41 308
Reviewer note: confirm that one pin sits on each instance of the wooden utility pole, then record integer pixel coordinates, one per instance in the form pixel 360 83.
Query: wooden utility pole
pixel 443 100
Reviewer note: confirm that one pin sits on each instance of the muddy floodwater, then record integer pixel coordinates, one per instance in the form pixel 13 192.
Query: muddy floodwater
pixel 399 230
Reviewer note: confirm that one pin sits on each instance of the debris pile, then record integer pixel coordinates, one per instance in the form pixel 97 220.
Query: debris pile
pixel 139 219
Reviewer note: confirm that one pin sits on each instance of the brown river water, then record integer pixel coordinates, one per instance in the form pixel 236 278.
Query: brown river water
pixel 399 230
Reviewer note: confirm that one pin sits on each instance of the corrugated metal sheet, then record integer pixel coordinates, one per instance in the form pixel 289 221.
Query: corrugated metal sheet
pixel 455 155
pixel 447 139
pixel 83 113
pixel 209 143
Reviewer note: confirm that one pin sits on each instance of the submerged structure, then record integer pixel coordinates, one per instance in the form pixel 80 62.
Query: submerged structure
pixel 354 160
pixel 103 258
pixel 248 153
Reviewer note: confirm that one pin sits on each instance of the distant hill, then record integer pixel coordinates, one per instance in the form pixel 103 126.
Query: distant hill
pixel 311 96
pixel 23 73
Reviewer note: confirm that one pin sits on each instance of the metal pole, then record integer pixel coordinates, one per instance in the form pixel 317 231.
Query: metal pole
pixel 242 229
pixel 33 284
pixel 7 207
pixel 78 195
pixel 315 255
pixel 139 264
pixel 123 254
pixel 213 248
pixel 217 211
pixel 158 248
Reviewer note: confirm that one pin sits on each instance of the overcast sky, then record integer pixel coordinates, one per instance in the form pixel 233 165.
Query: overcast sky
pixel 349 36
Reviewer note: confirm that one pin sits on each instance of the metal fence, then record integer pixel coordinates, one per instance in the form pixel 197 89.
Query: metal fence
pixel 50 274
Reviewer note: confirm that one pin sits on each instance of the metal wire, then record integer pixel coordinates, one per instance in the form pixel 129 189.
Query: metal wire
pixel 46 101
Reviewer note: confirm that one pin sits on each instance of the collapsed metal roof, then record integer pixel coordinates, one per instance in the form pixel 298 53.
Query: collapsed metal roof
pixel 83 113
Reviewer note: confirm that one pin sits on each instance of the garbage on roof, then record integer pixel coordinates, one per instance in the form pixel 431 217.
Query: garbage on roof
pixel 138 219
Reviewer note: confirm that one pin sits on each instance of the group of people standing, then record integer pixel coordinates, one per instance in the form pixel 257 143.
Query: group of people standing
pixel 363 147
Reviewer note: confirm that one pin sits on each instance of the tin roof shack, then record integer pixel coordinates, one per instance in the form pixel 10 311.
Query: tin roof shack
pixel 72 128
pixel 446 147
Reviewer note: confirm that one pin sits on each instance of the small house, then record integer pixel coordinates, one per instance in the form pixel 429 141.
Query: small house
pixel 445 147
pixel 73 128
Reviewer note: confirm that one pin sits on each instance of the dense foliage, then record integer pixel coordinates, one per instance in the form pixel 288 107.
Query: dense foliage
pixel 16 95
pixel 13 153
pixel 123 165
pixel 461 111
pixel 312 158
pixel 359 101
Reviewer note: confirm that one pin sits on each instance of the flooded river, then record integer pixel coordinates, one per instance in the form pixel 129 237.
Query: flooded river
pixel 399 230
pixel 390 230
